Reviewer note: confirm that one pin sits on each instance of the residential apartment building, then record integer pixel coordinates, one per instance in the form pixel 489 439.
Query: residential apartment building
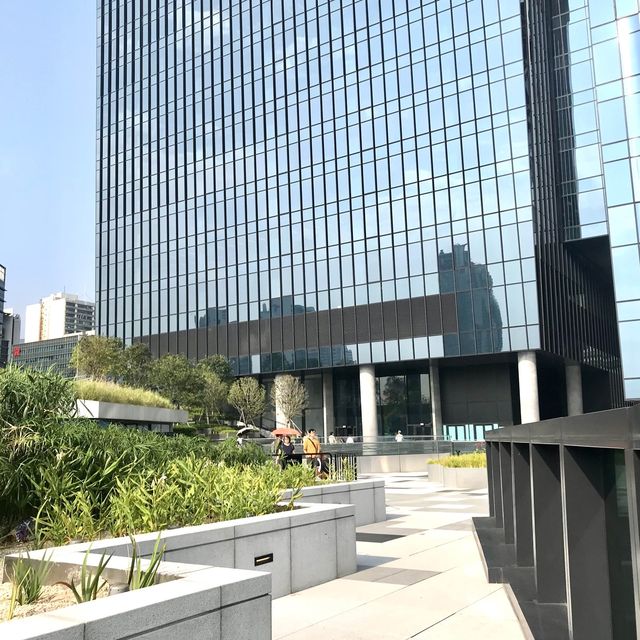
pixel 58 315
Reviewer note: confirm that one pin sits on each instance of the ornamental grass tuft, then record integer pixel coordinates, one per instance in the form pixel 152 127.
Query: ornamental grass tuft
pixel 104 391
pixel 476 460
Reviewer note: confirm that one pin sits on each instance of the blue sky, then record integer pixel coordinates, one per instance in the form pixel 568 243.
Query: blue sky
pixel 47 148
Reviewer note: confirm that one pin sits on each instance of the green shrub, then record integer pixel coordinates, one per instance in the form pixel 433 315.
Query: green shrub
pixel 185 429
pixel 476 460
pixel 29 397
pixel 79 481
pixel 105 391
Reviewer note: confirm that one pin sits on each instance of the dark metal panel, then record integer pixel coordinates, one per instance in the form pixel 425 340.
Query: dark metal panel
pixel 587 544
pixel 243 338
pixel 190 342
pixel 506 484
pixel 389 320
pixel 324 332
pixel 497 488
pixel 154 345
pixel 212 334
pixel 232 339
pixel 254 336
pixel 522 504
pixel 300 334
pixel 403 308
pixel 362 324
pixel 375 322
pixel 276 334
pixel 418 317
pixel 449 314
pixel 287 333
pixel 223 346
pixel 265 335
pixel 489 449
pixel 349 325
pixel 434 317
pixel 202 343
pixel 548 530
pixel 172 345
pixel 311 322
pixel 632 473
pixel 335 316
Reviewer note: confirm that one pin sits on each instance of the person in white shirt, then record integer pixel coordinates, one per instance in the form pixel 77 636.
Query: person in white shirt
pixel 399 436
pixel 332 438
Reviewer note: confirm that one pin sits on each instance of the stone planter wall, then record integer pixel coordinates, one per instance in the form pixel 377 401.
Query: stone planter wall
pixel 191 601
pixel 278 543
pixel 367 496
pixel 458 478
pixel 130 413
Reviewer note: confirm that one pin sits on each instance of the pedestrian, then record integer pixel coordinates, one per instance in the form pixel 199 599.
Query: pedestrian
pixel 349 439
pixel 399 436
pixel 332 438
pixel 286 449
pixel 311 448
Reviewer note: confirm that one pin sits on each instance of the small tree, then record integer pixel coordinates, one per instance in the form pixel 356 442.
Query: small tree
pixel 289 396
pixel 219 365
pixel 213 398
pixel 249 398
pixel 98 357
pixel 176 378
pixel 136 365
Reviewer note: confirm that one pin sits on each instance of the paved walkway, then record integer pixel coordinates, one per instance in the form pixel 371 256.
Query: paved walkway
pixel 419 576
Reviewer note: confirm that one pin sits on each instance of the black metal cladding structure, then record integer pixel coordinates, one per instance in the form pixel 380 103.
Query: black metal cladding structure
pixel 563 526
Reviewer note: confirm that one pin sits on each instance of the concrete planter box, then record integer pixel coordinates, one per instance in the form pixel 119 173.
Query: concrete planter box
pixel 367 496
pixel 405 463
pixel 278 543
pixel 130 413
pixel 190 601
pixel 458 478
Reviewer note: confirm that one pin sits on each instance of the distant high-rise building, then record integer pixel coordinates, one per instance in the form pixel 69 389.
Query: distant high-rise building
pixel 4 345
pixel 430 211
pixel 10 331
pixel 58 315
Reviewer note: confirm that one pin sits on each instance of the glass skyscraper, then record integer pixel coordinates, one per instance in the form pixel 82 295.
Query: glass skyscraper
pixel 415 205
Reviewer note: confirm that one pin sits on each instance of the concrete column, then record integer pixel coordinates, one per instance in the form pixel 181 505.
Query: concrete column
pixel 528 382
pixel 368 404
pixel 280 419
pixel 436 407
pixel 327 403
pixel 573 374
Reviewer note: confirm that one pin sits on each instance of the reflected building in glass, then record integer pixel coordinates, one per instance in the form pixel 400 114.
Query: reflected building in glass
pixel 408 203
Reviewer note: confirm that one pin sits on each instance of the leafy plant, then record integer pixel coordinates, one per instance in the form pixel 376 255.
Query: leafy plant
pixel 29 397
pixel 28 579
pixel 98 357
pixel 140 578
pixel 89 585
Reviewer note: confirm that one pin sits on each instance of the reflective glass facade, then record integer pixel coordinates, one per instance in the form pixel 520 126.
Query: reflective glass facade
pixel 596 97
pixel 299 185
pixel 305 185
